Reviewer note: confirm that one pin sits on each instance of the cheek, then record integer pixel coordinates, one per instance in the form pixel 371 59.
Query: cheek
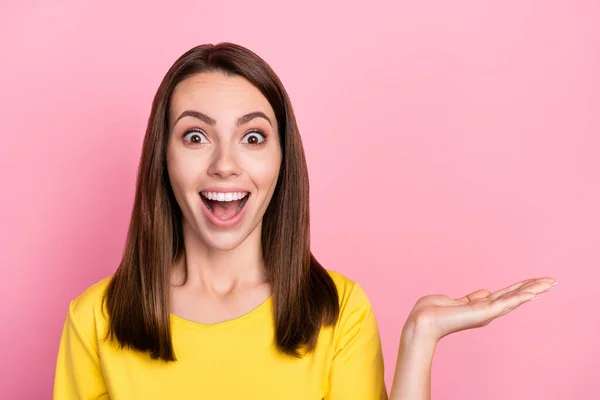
pixel 265 171
pixel 182 171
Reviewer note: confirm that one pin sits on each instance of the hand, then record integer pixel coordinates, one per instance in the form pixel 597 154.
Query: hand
pixel 436 316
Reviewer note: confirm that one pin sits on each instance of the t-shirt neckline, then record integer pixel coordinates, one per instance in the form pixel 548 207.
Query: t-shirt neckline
pixel 265 305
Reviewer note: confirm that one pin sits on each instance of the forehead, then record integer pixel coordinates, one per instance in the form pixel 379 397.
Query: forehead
pixel 220 96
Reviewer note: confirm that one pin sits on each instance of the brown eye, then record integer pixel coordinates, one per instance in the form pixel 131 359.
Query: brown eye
pixel 255 138
pixel 195 137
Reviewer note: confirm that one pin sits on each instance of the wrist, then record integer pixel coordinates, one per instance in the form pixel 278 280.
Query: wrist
pixel 417 330
pixel 416 349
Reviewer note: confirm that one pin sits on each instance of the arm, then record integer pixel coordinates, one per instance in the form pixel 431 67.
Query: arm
pixel 78 373
pixel 412 379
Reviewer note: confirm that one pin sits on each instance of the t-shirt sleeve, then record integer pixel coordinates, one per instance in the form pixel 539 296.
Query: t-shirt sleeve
pixel 78 373
pixel 357 370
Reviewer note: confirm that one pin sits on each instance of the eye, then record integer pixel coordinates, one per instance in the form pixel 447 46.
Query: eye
pixel 195 136
pixel 254 138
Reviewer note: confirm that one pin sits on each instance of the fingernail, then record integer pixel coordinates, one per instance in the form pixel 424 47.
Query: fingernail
pixel 555 283
pixel 536 297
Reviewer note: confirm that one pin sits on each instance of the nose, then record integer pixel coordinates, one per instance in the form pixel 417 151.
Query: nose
pixel 224 163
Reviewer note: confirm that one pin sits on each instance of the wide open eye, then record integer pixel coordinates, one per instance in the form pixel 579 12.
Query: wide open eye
pixel 255 138
pixel 195 136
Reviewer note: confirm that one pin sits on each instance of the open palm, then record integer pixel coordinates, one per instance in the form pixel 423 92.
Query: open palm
pixel 440 315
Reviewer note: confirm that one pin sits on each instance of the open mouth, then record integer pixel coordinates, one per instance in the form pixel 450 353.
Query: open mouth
pixel 224 206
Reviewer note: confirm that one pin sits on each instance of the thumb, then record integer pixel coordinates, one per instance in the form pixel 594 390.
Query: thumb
pixel 471 297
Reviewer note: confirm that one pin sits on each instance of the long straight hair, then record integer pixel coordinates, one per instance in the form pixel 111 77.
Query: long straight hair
pixel 137 298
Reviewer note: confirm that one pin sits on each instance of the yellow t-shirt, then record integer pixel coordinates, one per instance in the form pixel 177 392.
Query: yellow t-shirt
pixel 235 359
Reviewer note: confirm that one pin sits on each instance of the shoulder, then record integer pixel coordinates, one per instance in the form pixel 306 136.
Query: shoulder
pixel 351 294
pixel 86 310
pixel 356 325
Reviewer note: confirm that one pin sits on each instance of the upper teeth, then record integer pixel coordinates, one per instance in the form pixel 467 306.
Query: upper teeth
pixel 219 196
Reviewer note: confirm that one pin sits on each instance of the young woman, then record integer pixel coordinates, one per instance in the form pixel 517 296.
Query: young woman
pixel 218 295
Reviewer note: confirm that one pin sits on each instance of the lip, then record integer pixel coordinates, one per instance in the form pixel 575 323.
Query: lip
pixel 219 223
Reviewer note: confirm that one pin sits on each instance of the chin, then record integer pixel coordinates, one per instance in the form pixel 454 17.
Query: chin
pixel 223 241
pixel 225 244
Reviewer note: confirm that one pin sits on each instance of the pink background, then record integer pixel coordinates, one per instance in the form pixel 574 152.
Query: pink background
pixel 452 146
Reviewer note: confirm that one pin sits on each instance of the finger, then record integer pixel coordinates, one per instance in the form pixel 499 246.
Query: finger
pixel 535 287
pixel 510 288
pixel 530 291
pixel 512 300
pixel 520 285
pixel 548 281
pixel 508 303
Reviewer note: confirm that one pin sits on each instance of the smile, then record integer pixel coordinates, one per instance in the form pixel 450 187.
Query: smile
pixel 224 208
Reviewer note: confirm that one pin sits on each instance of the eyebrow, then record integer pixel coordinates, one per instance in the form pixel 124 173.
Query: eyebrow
pixel 210 121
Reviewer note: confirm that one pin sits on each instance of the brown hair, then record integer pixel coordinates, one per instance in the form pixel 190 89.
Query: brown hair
pixel 137 297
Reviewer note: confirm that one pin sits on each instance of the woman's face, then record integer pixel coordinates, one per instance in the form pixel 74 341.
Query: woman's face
pixel 223 156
